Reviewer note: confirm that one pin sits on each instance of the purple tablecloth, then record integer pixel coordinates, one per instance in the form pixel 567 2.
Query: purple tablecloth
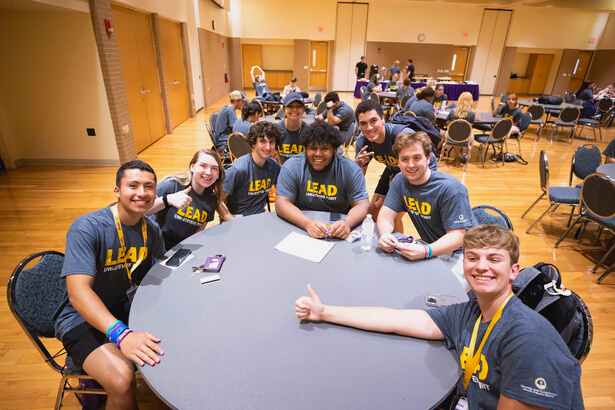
pixel 453 91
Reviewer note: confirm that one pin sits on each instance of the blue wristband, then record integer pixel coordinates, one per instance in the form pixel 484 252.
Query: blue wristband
pixel 430 250
pixel 117 322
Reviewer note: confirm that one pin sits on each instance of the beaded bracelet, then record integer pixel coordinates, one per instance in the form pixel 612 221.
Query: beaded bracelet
pixel 117 322
pixel 119 340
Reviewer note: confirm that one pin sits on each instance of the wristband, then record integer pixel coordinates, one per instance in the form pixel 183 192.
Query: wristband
pixel 117 332
pixel 349 226
pixel 117 322
pixel 126 333
pixel 426 252
pixel 430 250
pixel 165 200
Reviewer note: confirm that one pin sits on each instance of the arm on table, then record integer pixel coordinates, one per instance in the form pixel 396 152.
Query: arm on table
pixel 140 347
pixel 358 212
pixel 409 322
pixel 450 241
pixel 287 210
pixel 386 226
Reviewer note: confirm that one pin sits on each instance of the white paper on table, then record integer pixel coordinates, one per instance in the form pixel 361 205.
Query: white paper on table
pixel 305 247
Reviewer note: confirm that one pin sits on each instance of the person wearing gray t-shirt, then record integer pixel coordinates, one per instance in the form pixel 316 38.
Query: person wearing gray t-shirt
pixel 321 180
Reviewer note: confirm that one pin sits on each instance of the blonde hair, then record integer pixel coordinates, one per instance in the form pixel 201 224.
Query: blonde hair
pixel 431 83
pixel 464 105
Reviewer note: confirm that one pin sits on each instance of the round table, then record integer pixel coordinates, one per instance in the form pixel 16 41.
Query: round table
pixel 607 169
pixel 236 343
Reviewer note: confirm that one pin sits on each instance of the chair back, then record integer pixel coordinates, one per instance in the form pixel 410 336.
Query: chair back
pixel 543 169
pixel 404 100
pixel 322 107
pixel 570 114
pixel 598 195
pixel 212 137
pixel 524 121
pixel 536 111
pixel 410 114
pixel 604 104
pixel 238 145
pixel 501 129
pixel 363 91
pixel 585 160
pixel 459 131
pixel 213 117
pixel 581 345
pixel 34 294
pixel 503 98
pixel 490 215
pixel 374 96
pixel 317 99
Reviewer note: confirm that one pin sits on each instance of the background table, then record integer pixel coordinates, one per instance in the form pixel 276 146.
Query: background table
pixel 452 90
pixel 607 169
pixel 481 118
pixel 237 343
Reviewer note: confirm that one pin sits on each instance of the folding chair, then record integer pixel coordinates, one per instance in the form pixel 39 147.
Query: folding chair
pixel 490 215
pixel 537 112
pixel 585 160
pixel 523 124
pixel 34 293
pixel 567 119
pixel 497 137
pixel 238 145
pixel 458 135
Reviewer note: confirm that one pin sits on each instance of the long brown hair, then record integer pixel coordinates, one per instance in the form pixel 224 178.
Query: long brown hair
pixel 185 178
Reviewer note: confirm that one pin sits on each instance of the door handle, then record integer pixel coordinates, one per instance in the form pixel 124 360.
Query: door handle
pixel 175 82
pixel 143 90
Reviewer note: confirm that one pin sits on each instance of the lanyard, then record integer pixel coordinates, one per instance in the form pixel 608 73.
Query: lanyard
pixel 475 358
pixel 120 234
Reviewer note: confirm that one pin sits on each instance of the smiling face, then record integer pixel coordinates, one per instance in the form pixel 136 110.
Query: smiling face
pixel 372 126
pixel 294 111
pixel 319 156
pixel 137 192
pixel 414 164
pixel 263 148
pixel 489 271
pixel 439 91
pixel 205 172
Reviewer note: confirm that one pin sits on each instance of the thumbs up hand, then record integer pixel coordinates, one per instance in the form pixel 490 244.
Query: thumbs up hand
pixel 180 199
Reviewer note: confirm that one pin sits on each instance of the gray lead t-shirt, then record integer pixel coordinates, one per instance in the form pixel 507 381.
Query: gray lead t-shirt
pixel 345 113
pixel 441 204
pixel 248 185
pixel 331 190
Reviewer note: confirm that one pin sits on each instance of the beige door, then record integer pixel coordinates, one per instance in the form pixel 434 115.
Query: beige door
pixel 252 54
pixel 580 70
pixel 137 57
pixel 459 61
pixel 539 73
pixel 175 71
pixel 319 62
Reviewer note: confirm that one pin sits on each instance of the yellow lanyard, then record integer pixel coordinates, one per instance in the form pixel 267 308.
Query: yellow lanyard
pixel 475 358
pixel 120 234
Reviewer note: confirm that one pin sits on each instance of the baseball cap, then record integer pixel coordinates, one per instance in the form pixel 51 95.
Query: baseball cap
pixel 239 95
pixel 292 97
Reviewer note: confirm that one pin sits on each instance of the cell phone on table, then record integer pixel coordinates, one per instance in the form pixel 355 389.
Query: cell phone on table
pixel 178 257
pixel 334 217
pixel 438 300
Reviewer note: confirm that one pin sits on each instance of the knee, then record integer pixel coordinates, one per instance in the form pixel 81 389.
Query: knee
pixel 121 384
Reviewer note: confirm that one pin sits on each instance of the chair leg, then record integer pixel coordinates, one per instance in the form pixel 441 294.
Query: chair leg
pixel 571 213
pixel 605 274
pixel 541 216
pixel 561 238
pixel 601 261
pixel 531 206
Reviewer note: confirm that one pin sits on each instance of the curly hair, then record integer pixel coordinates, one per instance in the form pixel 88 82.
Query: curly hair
pixel 320 133
pixel 264 129
pixel 367 106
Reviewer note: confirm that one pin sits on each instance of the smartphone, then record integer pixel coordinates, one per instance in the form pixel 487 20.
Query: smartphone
pixel 178 257
pixel 437 300
pixel 334 217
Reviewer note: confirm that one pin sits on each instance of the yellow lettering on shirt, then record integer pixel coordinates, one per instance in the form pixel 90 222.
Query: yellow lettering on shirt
pixel 291 149
pixel 117 256
pixel 421 207
pixel 193 213
pixel 189 210
pixel 259 184
pixel 321 189
pixel 482 367
pixel 385 159
pixel 181 212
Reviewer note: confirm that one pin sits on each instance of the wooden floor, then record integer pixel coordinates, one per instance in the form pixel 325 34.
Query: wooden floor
pixel 39 203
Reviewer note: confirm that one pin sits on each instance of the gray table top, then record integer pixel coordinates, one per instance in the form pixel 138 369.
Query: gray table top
pixel 237 343
pixel 527 103
pixel 607 169
pixel 480 117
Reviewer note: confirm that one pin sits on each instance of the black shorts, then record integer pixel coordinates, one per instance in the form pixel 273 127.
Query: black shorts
pixel 83 339
pixel 385 180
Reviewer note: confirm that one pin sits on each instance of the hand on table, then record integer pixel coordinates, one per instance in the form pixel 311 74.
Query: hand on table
pixel 180 199
pixel 340 229
pixel 388 242
pixel 363 157
pixel 317 229
pixel 412 251
pixel 141 348
pixel 309 307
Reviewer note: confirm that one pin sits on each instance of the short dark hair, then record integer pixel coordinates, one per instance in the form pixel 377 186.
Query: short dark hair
pixel 136 164
pixel 425 92
pixel 250 109
pixel 332 96
pixel 410 60
pixel 407 82
pixel 264 129
pixel 367 106
pixel 320 133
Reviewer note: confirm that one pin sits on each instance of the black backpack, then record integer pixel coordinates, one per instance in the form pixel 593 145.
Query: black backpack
pixel 550 99
pixel 540 288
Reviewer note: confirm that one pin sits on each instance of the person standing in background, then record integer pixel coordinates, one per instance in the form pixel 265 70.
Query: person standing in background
pixel 410 70
pixel 360 68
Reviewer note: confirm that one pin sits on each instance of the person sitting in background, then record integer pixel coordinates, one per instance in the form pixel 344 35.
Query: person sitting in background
pixel 227 118
pixel 586 91
pixel 423 106
pixel 607 92
pixel 412 99
pixel 394 84
pixel 440 100
pixel 291 126
pixel 250 177
pixel 291 88
pixel 373 85
pixel 259 82
pixel 188 201
pixel 511 110
pixel 521 361
pixel 404 90
pixel 337 113
pixel 321 180
pixel 250 114
pixel 463 111
pixel 395 70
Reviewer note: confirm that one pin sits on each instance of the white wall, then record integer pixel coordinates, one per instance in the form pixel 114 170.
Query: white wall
pixel 208 12
pixel 550 27
pixel 52 89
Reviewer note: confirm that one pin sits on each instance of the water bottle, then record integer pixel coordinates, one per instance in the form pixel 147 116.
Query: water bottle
pixel 368 233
